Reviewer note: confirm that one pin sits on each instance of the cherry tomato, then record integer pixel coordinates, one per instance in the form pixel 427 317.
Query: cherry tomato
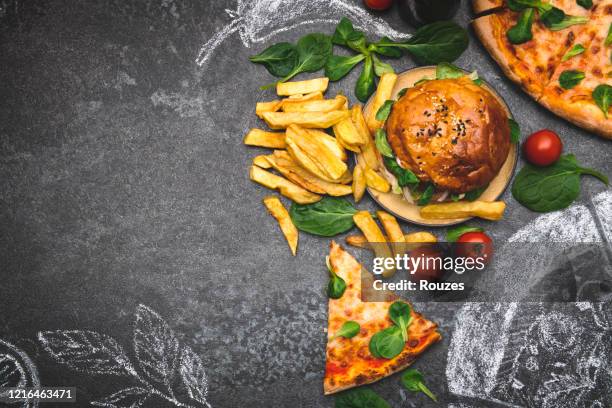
pixel 378 5
pixel 474 245
pixel 543 148
pixel 427 269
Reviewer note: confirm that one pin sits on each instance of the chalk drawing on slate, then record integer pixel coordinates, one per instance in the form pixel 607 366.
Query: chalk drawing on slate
pixel 539 354
pixel 257 21
pixel 17 370
pixel 164 368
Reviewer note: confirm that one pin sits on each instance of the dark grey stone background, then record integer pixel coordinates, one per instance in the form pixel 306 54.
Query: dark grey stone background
pixel 123 181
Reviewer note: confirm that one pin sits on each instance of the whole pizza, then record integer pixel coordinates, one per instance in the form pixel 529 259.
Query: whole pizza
pixel 558 51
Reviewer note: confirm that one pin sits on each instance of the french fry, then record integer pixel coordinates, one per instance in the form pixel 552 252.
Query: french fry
pixel 488 210
pixel 359 183
pixel 330 142
pixel 383 93
pixel 376 181
pixel 393 231
pixel 271 106
pixel 302 87
pixel 279 212
pixel 322 157
pixel 323 120
pixel 347 134
pixel 313 96
pixel 285 165
pixel 261 138
pixel 367 225
pixel 324 105
pixel 421 237
pixel 262 161
pixel 283 186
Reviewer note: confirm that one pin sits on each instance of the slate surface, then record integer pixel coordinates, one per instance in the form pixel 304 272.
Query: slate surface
pixel 123 181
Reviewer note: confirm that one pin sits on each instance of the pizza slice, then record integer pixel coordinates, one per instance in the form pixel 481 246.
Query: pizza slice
pixel 587 65
pixel 349 360
pixel 532 63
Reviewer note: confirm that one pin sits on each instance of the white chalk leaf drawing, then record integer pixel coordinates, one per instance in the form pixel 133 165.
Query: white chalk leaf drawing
pixel 132 397
pixel 164 370
pixel 16 370
pixel 87 351
pixel 193 375
pixel 156 347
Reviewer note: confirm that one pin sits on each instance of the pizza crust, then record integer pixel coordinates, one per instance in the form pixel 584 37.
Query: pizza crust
pixel 584 114
pixel 480 6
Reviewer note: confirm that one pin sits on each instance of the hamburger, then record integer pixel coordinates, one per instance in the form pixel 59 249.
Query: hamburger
pixel 453 134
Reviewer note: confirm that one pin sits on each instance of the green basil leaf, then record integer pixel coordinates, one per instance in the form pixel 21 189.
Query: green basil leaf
pixel 385 110
pixel 426 196
pixel 382 144
pixel 365 85
pixel 453 234
pixel 521 32
pixel 360 398
pixel 553 16
pixel 313 52
pixel 587 4
pixel 570 78
pixel 473 195
pixel 515 131
pixel 520 5
pixel 608 40
pixel 602 95
pixel 348 330
pixel 413 381
pixel 338 66
pixel 336 285
pixel 380 67
pixel 379 48
pixel 357 42
pixel 404 177
pixel 279 59
pixel 442 41
pixel 343 30
pixel 387 343
pixel 568 21
pixel 399 312
pixel 328 217
pixel 446 70
pixel 575 50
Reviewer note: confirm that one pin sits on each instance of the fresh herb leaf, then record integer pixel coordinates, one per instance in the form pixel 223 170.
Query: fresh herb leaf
pixel 279 59
pixel 553 16
pixel 387 343
pixel 521 32
pixel 343 30
pixel 327 217
pixel 380 67
pixel 473 195
pixel 413 381
pixel 357 42
pixel 587 4
pixel 520 5
pixel 602 95
pixel 551 188
pixel 453 234
pixel 365 85
pixel 385 110
pixel 313 52
pixel 382 144
pixel 336 285
pixel 570 78
pixel 575 50
pixel 348 330
pixel 515 131
pixel 426 196
pixel 402 92
pixel 360 398
pixel 568 21
pixel 446 70
pixel 608 40
pixel 404 177
pixel 399 312
pixel 338 66
pixel 379 48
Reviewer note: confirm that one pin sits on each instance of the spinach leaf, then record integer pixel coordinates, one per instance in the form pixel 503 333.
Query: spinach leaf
pixel 426 196
pixel 313 52
pixel 446 70
pixel 515 131
pixel 553 16
pixel 336 285
pixel 382 144
pixel 399 312
pixel 338 66
pixel 380 49
pixel 575 50
pixel 473 195
pixel 328 217
pixel 568 21
pixel 385 110
pixel 587 4
pixel 357 42
pixel 387 343
pixel 343 30
pixel 404 177
pixel 570 78
pixel 279 59
pixel 521 32
pixel 348 330
pixel 365 85
pixel 413 381
pixel 380 67
pixel 608 40
pixel 602 95
pixel 551 188
pixel 360 398
pixel 453 234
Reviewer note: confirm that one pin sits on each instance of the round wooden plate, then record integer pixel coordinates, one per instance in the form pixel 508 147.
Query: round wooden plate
pixel 401 208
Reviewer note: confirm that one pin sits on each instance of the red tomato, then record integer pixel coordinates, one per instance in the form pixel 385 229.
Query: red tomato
pixel 543 148
pixel 378 4
pixel 474 245
pixel 428 268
